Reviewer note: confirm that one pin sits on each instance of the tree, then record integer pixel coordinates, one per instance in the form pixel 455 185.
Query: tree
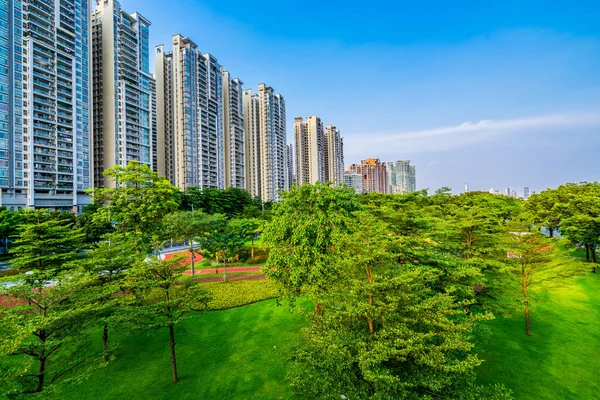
pixel 138 203
pixel 224 243
pixel 45 243
pixel 389 331
pixel 191 225
pixel 107 262
pixel 9 223
pixel 543 206
pixel 93 227
pixel 303 236
pixel 535 260
pixel 247 228
pixel 161 299
pixel 53 310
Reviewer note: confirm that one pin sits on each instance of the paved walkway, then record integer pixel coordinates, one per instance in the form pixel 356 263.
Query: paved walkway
pixel 220 270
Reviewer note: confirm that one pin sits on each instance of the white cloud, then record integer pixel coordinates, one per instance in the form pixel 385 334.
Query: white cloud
pixel 465 134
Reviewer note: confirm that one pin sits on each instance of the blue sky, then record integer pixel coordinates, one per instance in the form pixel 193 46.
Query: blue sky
pixel 493 93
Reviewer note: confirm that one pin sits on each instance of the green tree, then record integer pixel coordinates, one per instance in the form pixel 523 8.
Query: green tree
pixel 247 228
pixel 190 226
pixel 389 330
pixel 45 242
pixel 107 262
pixel 536 260
pixel 544 206
pixel 224 243
pixel 93 227
pixel 303 236
pixel 138 203
pixel 9 223
pixel 160 299
pixel 53 311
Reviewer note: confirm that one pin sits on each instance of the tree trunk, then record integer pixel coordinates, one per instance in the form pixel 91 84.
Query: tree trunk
pixel 105 343
pixel 318 309
pixel 252 248
pixel 173 359
pixel 192 253
pixel 41 375
pixel 551 230
pixel 527 320
pixel 224 269
pixel 526 305
pixel 593 248
pixel 587 252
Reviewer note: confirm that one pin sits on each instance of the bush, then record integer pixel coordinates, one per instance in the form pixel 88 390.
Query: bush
pixel 239 293
pixel 260 256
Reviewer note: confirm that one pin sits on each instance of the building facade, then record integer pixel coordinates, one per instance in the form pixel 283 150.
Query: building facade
pixel 266 144
pixel 190 118
pixel 233 132
pixel 333 155
pixel 374 174
pixel 402 177
pixel 309 141
pixel 354 180
pixel 290 165
pixel 45 104
pixel 122 102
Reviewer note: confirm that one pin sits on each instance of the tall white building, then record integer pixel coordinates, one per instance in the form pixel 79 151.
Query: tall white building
pixel 189 108
pixel 122 88
pixel 333 155
pixel 45 103
pixel 233 132
pixel 309 141
pixel 266 145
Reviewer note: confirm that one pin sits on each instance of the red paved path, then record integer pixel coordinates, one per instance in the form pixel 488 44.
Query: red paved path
pixel 205 270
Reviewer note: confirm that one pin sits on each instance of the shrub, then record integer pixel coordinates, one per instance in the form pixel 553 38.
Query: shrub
pixel 260 256
pixel 239 293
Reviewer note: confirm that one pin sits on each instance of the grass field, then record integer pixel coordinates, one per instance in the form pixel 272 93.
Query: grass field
pixel 231 354
pixel 562 359
pixel 239 353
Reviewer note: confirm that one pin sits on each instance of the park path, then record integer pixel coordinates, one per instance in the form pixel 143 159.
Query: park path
pixel 214 270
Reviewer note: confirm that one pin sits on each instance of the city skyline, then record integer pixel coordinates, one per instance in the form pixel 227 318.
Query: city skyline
pixel 463 92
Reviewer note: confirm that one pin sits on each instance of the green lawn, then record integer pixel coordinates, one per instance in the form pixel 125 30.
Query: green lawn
pixel 562 358
pixel 239 353
pixel 231 354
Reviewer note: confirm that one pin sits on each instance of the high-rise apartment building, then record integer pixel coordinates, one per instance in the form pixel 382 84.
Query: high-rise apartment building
pixel 402 177
pixel 333 155
pixel 45 103
pixel 290 165
pixel 266 144
pixel 374 174
pixel 309 140
pixel 189 100
pixel 354 180
pixel 122 88
pixel 526 192
pixel 233 132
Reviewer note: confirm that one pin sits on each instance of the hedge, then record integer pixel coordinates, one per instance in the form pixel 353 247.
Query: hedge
pixel 238 293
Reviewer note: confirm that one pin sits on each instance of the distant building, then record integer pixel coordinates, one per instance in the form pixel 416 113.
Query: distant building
pixel 526 192
pixel 354 180
pixel 334 155
pixel 466 188
pixel 402 177
pixel 290 165
pixel 309 141
pixel 374 173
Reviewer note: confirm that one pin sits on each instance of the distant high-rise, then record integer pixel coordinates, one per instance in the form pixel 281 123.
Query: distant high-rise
pixel 333 155
pixel 526 192
pixel 122 88
pixel 374 174
pixel 290 165
pixel 45 104
pixel 190 115
pixel 466 188
pixel 233 132
pixel 309 140
pixel 354 180
pixel 508 191
pixel 402 177
pixel 266 144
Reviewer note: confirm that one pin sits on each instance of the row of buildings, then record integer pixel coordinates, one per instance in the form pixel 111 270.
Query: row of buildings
pixel 372 175
pixel 319 153
pixel 77 97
